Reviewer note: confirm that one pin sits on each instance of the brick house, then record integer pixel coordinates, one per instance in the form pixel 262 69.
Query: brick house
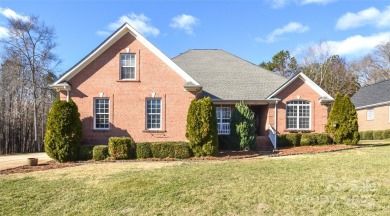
pixel 372 105
pixel 127 86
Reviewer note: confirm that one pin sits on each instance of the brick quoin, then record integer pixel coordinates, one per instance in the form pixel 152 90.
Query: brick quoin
pixel 128 98
pixel 319 113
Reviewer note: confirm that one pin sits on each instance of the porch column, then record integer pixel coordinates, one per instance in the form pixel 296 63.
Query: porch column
pixel 276 123
pixel 67 95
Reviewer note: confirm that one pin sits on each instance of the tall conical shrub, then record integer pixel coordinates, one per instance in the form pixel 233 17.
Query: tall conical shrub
pixel 201 129
pixel 243 131
pixel 63 131
pixel 342 121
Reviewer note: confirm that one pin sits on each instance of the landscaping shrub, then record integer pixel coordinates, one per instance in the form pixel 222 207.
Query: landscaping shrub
pixel 201 128
pixel 342 121
pixel 368 135
pixel 144 150
pixel 121 148
pixel 323 139
pixel 86 152
pixel 100 152
pixel 63 131
pixel 171 150
pixel 377 135
pixel 361 134
pixel 294 139
pixel 282 141
pixel 242 127
pixel 386 134
pixel 308 139
pixel 225 143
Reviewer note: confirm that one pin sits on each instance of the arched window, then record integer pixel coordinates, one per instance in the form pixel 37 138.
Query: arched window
pixel 298 115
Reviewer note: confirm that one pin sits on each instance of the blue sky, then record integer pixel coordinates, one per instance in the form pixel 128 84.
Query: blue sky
pixel 253 30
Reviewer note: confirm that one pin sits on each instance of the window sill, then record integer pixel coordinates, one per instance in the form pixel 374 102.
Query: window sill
pixel 101 130
pixel 299 130
pixel 154 131
pixel 128 80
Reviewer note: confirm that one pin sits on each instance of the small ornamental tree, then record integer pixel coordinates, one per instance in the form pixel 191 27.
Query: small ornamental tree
pixel 342 121
pixel 201 129
pixel 243 131
pixel 63 131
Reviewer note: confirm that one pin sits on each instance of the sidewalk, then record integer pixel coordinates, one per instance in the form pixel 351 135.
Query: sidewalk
pixel 12 161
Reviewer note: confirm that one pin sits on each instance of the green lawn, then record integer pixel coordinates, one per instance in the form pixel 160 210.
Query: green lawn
pixel 352 182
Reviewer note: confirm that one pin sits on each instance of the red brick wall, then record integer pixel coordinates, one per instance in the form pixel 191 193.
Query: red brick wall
pixel 127 98
pixel 319 113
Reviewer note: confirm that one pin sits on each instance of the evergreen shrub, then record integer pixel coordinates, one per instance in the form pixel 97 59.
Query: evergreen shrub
pixel 63 131
pixel 242 127
pixel 100 152
pixel 86 152
pixel 201 128
pixel 121 148
pixel 144 150
pixel 377 135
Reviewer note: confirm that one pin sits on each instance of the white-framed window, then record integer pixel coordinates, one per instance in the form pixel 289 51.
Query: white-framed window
pixel 127 67
pixel 370 114
pixel 298 113
pixel 101 113
pixel 153 114
pixel 223 119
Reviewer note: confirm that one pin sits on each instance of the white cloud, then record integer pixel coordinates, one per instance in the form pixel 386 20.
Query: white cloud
pixel 10 14
pixel 140 22
pixel 3 32
pixel 370 16
pixel 282 3
pixel 292 27
pixel 184 22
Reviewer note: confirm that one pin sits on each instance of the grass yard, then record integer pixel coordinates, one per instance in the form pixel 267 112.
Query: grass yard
pixel 352 182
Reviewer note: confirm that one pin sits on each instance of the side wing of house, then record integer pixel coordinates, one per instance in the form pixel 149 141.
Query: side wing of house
pixel 127 87
pixel 374 117
pixel 302 106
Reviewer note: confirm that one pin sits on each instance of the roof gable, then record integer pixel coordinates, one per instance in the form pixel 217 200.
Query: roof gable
pixel 372 95
pixel 324 96
pixel 125 28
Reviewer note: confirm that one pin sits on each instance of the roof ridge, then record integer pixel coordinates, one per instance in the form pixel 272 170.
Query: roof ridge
pixel 376 83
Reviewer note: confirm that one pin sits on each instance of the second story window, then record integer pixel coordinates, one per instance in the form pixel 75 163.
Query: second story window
pixel 127 67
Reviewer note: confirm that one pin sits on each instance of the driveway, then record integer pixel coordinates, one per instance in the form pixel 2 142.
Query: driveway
pixel 12 161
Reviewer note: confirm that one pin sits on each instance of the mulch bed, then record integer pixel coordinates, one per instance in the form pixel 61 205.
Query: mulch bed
pixel 223 155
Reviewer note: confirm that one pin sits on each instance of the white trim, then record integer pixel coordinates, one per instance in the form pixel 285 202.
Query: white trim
pixel 135 66
pixel 308 81
pixel 94 114
pixel 126 28
pixel 219 110
pixel 373 105
pixel 370 114
pixel 146 114
pixel 297 117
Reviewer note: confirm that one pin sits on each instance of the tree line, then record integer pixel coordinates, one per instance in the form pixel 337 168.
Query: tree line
pixel 27 68
pixel 332 72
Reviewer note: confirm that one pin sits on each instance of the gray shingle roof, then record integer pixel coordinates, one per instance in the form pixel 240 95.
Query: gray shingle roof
pixel 372 94
pixel 228 77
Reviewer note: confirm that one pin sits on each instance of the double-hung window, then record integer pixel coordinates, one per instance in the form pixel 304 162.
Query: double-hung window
pixel 153 114
pixel 127 67
pixel 370 114
pixel 298 115
pixel 102 113
pixel 223 119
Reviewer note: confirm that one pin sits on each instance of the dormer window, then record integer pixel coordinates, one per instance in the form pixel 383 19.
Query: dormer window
pixel 127 67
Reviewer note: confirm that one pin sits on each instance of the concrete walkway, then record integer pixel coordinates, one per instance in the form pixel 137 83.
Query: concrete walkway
pixel 12 161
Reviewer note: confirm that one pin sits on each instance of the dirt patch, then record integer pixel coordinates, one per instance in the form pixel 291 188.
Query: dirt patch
pixel 222 155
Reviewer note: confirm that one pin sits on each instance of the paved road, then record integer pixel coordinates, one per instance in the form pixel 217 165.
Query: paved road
pixel 12 161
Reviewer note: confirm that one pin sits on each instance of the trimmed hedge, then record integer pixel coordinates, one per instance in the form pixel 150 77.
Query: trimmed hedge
pixel 86 152
pixel 377 135
pixel 386 134
pixel 170 150
pixel 368 135
pixel 289 140
pixel 100 152
pixel 144 150
pixel 121 148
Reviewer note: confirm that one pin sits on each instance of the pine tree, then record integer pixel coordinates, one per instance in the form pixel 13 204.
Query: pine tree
pixel 63 131
pixel 342 121
pixel 243 131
